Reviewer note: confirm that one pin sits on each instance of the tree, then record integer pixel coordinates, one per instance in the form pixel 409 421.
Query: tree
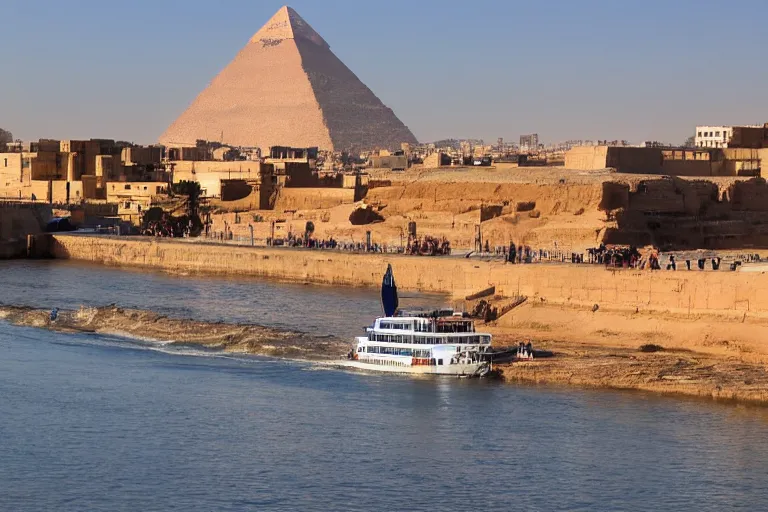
pixel 5 136
pixel 193 191
pixel 690 142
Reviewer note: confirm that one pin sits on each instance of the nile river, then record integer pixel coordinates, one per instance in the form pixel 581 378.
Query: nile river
pixel 89 422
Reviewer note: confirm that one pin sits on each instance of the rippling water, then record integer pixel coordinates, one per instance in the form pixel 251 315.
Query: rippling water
pixel 90 422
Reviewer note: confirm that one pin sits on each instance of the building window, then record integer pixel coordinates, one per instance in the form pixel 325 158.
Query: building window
pixel 717 134
pixel 127 187
pixel 699 134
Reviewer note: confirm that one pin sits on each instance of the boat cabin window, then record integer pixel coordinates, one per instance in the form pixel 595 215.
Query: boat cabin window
pixel 419 339
pixel 440 362
pixel 455 326
pixel 400 326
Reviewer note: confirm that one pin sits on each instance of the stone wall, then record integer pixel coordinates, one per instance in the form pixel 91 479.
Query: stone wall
pixel 668 162
pixel 587 158
pixel 16 222
pixel 313 198
pixel 726 293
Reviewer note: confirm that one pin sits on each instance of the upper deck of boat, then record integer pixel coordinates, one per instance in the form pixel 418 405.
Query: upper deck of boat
pixel 447 324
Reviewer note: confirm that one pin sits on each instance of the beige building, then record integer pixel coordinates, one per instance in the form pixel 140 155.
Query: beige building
pixel 71 171
pixel 210 174
pixel 713 136
pixel 187 153
pixel 669 162
pixel 134 198
pixel 755 136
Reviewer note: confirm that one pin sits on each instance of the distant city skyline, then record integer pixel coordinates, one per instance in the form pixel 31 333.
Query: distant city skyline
pixel 592 70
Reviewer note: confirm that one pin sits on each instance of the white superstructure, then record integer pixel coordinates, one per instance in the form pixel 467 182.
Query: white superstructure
pixel 440 342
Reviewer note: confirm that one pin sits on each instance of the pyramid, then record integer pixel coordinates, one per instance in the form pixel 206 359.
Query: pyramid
pixel 287 88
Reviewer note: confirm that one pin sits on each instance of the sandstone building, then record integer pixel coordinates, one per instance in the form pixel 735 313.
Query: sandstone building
pixel 731 137
pixel 286 88
pixel 669 161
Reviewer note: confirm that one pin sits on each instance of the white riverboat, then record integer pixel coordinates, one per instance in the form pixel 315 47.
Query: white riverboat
pixel 436 343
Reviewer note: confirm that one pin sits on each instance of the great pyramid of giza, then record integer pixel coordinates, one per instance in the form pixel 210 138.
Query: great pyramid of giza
pixel 287 88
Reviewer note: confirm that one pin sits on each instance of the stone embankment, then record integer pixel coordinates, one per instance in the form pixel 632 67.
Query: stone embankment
pixel 732 294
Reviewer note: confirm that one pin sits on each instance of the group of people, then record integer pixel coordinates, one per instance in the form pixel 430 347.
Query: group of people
pixel 527 254
pixel 701 263
pixel 619 257
pixel 483 309
pixel 168 226
pixel 331 244
pixel 525 351
pixel 630 257
pixel 613 257
pixel 161 228
pixel 428 246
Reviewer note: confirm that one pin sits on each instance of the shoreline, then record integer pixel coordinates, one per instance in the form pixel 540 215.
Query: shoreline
pixel 668 372
pixel 672 373
pixel 720 318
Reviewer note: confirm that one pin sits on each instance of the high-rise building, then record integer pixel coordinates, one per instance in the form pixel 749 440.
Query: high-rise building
pixel 528 142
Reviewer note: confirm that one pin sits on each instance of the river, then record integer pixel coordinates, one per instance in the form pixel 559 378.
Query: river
pixel 90 422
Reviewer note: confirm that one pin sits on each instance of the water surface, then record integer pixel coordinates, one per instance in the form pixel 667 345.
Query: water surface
pixel 89 422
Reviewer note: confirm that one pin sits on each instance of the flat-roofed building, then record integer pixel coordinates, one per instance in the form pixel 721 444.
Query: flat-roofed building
pixel 713 136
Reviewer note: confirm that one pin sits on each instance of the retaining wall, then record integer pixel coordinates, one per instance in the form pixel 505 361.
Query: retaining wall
pixel 733 293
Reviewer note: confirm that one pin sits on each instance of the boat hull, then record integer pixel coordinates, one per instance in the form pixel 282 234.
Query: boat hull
pixel 455 370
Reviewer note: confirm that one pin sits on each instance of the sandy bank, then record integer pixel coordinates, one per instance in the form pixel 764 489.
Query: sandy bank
pixel 242 338
pixel 669 372
pixel 708 356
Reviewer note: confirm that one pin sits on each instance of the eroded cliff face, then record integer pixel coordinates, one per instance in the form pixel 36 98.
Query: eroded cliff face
pixel 678 214
pixel 549 208
pixel 582 211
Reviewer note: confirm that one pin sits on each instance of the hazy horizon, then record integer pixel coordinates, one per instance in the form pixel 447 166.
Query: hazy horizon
pixel 593 70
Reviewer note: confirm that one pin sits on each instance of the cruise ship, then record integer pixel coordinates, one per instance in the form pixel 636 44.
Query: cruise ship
pixel 440 342
pixel 436 342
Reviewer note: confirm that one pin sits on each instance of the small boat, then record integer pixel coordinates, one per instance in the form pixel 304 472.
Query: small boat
pixel 438 342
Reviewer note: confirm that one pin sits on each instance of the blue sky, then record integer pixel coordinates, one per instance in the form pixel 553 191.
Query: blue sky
pixel 586 69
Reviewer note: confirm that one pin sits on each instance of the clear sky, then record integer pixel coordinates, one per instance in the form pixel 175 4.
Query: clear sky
pixel 566 69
